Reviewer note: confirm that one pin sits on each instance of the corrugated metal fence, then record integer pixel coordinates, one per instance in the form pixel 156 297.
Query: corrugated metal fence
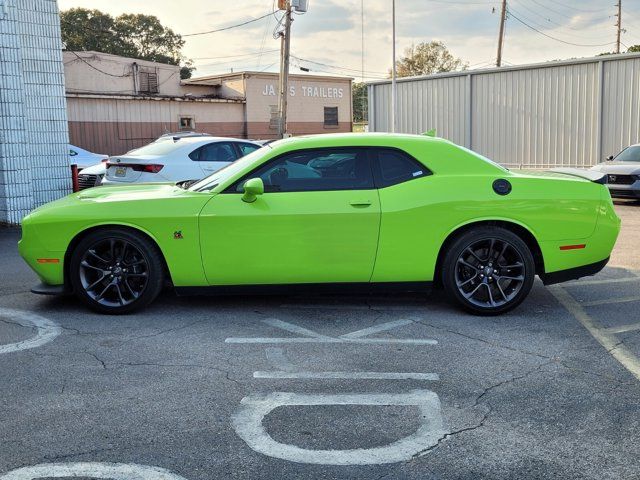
pixel 569 113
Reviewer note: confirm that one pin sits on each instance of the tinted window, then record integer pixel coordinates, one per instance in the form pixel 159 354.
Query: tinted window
pixel 214 152
pixel 316 170
pixel 630 154
pixel 247 148
pixel 394 166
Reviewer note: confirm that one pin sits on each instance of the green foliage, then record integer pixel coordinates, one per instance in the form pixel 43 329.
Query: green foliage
pixel 427 58
pixel 129 35
pixel 360 102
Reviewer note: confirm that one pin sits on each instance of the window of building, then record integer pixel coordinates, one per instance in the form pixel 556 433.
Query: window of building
pixel 186 123
pixel 394 166
pixel 315 170
pixel 148 82
pixel 330 116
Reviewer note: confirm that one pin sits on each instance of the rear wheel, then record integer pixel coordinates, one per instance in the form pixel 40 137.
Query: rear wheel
pixel 116 271
pixel 488 270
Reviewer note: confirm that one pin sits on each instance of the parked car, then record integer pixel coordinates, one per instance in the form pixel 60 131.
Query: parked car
pixel 187 158
pixel 175 135
pixel 84 158
pixel 390 211
pixel 92 176
pixel 623 172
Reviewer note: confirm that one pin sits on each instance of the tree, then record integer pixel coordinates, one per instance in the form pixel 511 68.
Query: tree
pixel 360 102
pixel 130 35
pixel 426 59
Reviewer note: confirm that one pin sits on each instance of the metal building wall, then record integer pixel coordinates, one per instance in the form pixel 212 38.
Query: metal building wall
pixel 34 156
pixel 570 113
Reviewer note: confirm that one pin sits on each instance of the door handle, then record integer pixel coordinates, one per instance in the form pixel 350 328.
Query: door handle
pixel 360 203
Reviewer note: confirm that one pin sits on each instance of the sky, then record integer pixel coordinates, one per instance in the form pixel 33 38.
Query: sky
pixel 330 33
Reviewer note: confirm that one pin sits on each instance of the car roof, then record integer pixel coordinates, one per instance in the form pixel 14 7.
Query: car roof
pixel 356 139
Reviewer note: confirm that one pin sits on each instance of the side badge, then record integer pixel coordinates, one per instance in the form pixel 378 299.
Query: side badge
pixel 177 235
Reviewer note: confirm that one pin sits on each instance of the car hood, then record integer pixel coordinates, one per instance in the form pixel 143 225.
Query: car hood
pixel 618 168
pixel 134 192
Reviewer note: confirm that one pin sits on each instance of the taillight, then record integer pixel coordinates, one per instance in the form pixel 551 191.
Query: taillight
pixel 136 167
pixel 151 168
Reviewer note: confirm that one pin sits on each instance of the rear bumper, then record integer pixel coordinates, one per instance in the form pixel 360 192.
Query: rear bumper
pixel 573 273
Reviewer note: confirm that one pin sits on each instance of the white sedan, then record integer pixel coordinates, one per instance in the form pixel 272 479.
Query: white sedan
pixel 84 158
pixel 177 160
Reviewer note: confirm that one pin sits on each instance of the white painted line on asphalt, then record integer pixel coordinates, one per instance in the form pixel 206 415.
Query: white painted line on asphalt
pixel 309 336
pixel 347 375
pixel 623 328
pixel 580 283
pixel 610 301
pixel 376 329
pixel 248 424
pixel 605 338
pixel 110 471
pixel 46 329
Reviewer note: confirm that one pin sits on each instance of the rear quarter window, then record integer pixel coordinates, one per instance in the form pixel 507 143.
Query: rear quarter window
pixel 395 166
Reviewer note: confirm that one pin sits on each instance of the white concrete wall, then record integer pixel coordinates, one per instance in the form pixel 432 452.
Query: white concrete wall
pixel 34 160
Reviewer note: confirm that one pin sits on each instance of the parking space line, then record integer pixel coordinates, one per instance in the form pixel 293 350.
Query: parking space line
pixel 605 338
pixel 110 471
pixel 309 336
pixel 624 328
pixel 610 301
pixel 46 330
pixel 377 329
pixel 348 375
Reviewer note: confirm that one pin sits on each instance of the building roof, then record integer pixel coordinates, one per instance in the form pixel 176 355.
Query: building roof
pixel 212 80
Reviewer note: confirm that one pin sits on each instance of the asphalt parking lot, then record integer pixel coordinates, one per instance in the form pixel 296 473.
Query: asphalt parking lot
pixel 330 387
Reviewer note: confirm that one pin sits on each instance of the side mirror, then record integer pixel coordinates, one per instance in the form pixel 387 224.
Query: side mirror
pixel 609 158
pixel 252 188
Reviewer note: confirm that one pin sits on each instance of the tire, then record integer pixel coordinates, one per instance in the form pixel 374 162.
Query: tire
pixel 488 270
pixel 116 271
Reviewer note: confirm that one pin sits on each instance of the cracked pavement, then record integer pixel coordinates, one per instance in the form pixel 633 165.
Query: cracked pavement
pixel 527 395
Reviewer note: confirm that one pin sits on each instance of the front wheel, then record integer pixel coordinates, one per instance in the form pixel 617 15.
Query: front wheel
pixel 488 270
pixel 116 271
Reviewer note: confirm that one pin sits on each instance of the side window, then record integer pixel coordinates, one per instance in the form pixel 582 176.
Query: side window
pixel 246 148
pixel 315 170
pixel 214 152
pixel 394 166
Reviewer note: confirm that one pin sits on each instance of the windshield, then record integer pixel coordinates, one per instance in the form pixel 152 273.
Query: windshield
pixel 161 148
pixel 222 175
pixel 629 154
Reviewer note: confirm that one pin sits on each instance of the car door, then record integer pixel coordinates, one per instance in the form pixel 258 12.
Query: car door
pixel 214 156
pixel 312 225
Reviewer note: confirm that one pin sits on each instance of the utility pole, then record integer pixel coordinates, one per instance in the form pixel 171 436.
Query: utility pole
pixel 394 84
pixel 619 25
pixel 503 19
pixel 285 52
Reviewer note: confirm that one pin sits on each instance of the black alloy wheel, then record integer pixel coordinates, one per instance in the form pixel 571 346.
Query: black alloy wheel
pixel 488 270
pixel 116 271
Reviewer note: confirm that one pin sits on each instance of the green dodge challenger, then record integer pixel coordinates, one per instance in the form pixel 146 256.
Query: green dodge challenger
pixel 329 212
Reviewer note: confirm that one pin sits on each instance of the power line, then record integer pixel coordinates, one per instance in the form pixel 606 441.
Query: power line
pixel 97 69
pixel 251 54
pixel 336 67
pixel 558 39
pixel 229 27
